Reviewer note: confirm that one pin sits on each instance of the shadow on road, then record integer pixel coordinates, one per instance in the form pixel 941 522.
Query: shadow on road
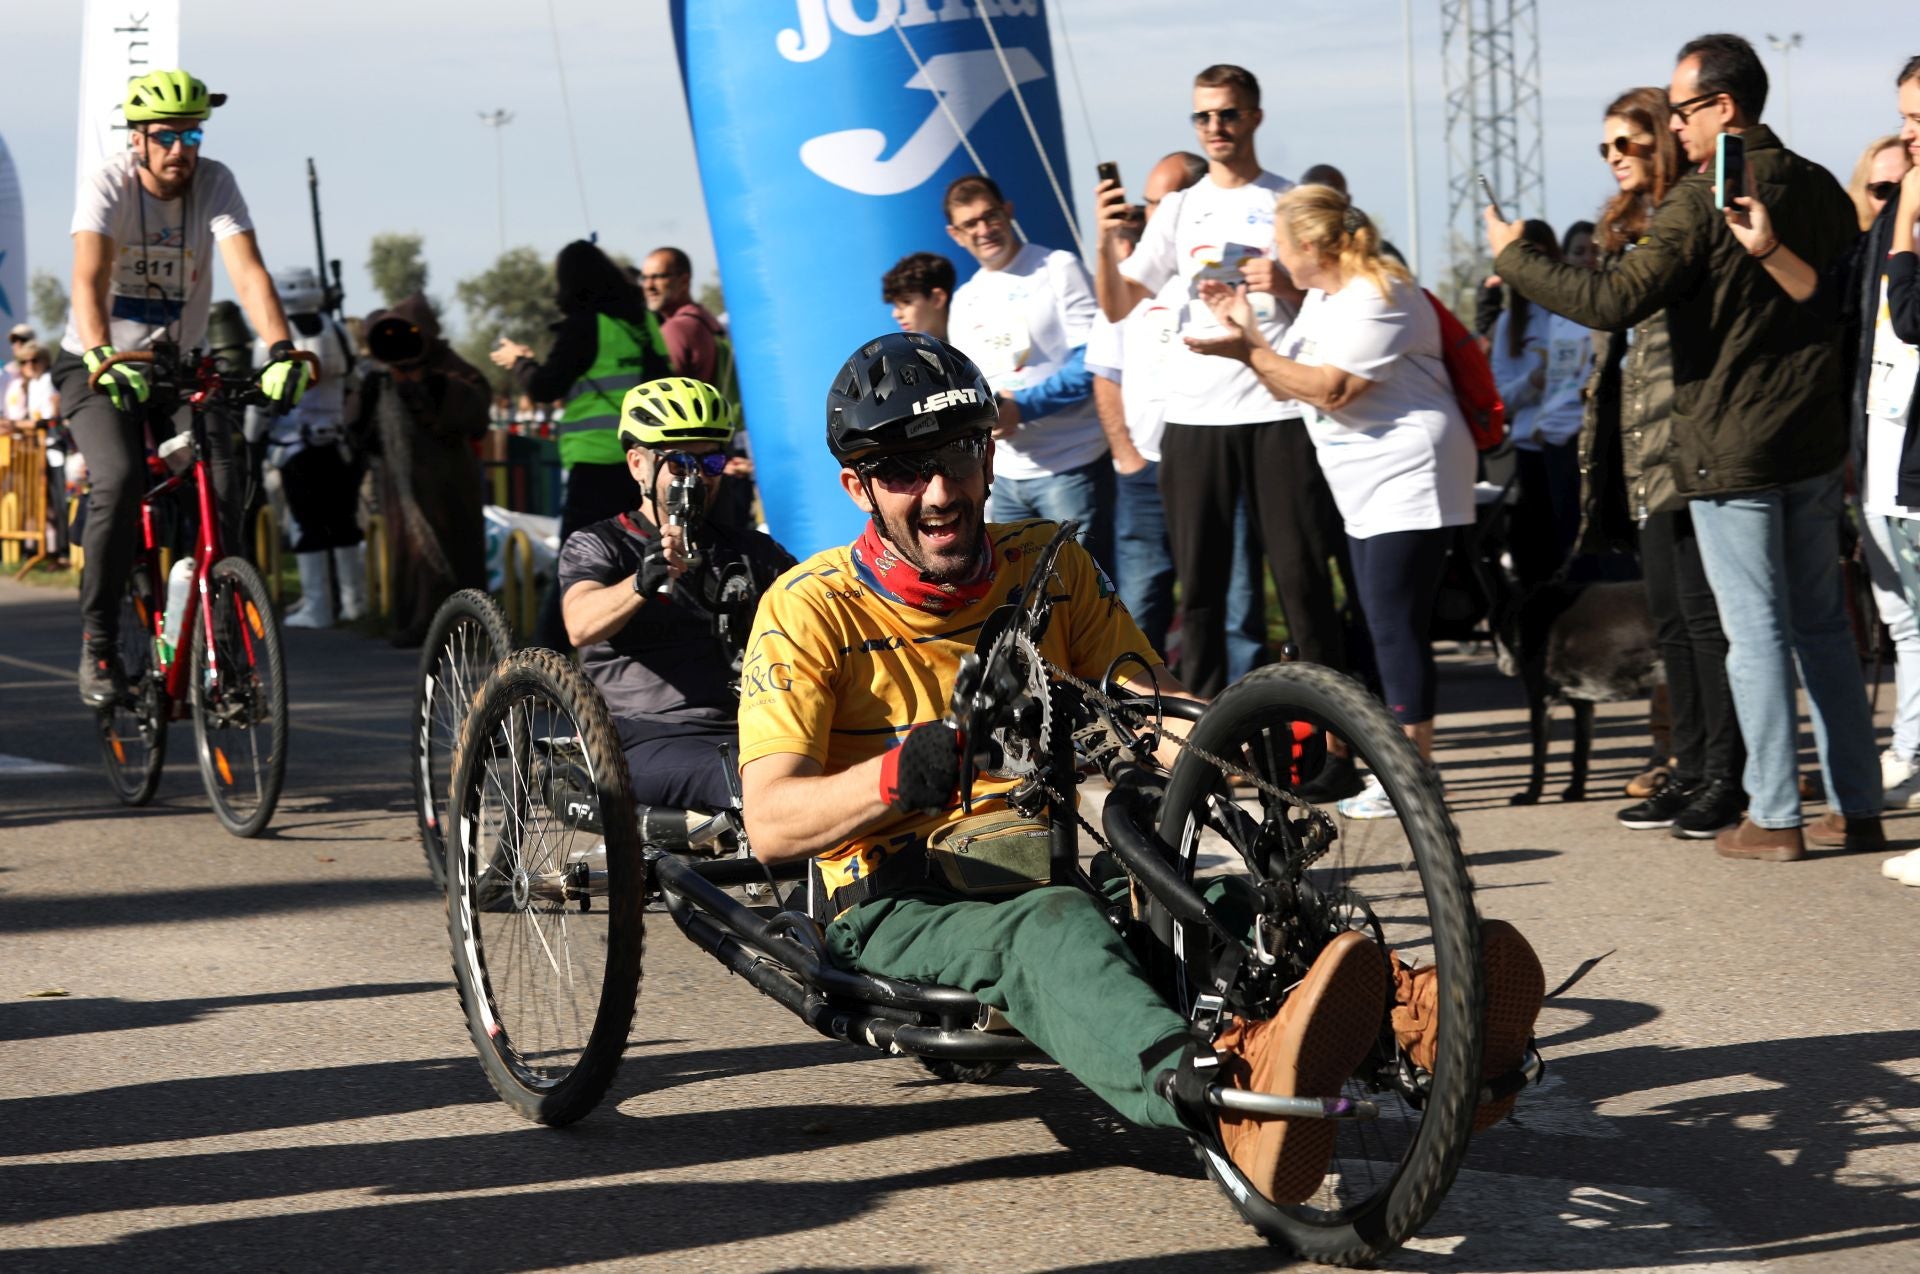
pixel 30 914
pixel 44 1019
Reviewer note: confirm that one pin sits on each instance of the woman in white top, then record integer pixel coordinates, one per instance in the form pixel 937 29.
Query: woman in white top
pixel 1365 357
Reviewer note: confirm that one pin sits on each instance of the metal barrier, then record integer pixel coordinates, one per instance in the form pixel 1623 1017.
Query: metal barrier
pixel 519 593
pixel 380 567
pixel 266 549
pixel 23 498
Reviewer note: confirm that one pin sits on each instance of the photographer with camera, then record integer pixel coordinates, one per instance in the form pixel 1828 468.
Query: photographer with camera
pixel 422 407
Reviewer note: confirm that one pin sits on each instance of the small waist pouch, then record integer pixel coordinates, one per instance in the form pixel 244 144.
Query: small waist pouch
pixel 992 855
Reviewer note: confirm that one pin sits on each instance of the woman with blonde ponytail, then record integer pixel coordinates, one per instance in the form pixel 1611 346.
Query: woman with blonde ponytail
pixel 1364 356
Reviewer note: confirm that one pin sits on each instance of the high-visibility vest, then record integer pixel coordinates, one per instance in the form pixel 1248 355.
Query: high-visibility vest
pixel 625 355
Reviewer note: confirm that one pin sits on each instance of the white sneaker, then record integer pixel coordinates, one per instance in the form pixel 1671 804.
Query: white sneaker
pixel 1371 802
pixel 1910 874
pixel 1893 868
pixel 1896 770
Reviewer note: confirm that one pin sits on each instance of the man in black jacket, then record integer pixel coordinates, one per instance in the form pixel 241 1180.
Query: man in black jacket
pixel 1760 436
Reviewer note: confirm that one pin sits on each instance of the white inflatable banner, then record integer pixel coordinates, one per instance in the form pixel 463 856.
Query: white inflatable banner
pixel 119 41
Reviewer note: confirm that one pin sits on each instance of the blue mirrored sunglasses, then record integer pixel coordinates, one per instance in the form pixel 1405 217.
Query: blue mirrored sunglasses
pixel 713 463
pixel 164 138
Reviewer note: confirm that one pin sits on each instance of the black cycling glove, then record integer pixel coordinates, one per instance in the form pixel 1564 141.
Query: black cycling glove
pixel 654 575
pixel 924 771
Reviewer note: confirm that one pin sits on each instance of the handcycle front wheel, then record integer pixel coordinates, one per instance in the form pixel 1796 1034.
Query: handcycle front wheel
pixel 468 636
pixel 544 914
pixel 133 734
pixel 1400 880
pixel 239 698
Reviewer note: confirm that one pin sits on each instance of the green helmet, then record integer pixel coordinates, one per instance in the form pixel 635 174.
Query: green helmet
pixel 169 95
pixel 674 409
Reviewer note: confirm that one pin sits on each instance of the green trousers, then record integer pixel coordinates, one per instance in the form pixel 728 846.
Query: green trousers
pixel 1046 959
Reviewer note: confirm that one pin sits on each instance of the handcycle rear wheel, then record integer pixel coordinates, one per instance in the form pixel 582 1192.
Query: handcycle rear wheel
pixel 1400 880
pixel 240 723
pixel 546 957
pixel 133 737
pixel 468 636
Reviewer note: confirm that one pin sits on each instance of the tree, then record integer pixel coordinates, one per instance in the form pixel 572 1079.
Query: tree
pixel 514 299
pixel 49 303
pixel 711 299
pixel 396 265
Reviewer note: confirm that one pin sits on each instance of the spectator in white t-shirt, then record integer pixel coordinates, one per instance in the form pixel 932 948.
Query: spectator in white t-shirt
pixel 1226 437
pixel 1364 355
pixel 1129 361
pixel 919 289
pixel 30 397
pixel 1023 318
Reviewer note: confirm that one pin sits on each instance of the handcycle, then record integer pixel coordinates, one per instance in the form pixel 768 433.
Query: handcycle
pixel 225 669
pixel 551 867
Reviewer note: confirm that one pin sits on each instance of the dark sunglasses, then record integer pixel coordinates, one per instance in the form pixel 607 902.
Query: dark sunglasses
pixel 1686 108
pixel 909 472
pixel 1884 191
pixel 164 138
pixel 712 463
pixel 1229 116
pixel 1624 145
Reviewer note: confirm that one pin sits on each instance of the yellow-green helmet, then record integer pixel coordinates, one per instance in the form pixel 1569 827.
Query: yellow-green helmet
pixel 169 95
pixel 673 410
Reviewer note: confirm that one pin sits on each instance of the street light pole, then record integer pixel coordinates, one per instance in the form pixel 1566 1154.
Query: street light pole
pixel 1785 48
pixel 1413 157
pixel 497 120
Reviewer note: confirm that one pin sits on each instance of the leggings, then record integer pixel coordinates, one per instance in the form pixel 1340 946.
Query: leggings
pixel 1397 575
pixel 1686 624
pixel 115 447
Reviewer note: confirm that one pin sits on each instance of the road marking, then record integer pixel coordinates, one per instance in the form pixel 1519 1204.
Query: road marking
pixel 13 767
pixel 34 665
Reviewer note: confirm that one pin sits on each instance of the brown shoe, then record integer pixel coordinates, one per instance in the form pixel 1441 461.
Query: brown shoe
pixel 1515 988
pixel 1853 835
pixel 1750 840
pixel 1649 781
pixel 1307 1049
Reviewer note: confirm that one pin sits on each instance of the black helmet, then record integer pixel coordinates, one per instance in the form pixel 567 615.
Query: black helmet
pixel 906 391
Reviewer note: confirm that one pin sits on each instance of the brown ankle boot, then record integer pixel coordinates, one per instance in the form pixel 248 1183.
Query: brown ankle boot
pixel 1768 844
pixel 1308 1049
pixel 1853 835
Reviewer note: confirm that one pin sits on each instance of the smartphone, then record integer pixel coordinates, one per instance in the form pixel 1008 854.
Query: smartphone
pixel 1729 169
pixel 1486 188
pixel 1110 171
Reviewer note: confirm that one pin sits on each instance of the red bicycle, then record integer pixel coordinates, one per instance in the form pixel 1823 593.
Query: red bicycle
pixel 212 652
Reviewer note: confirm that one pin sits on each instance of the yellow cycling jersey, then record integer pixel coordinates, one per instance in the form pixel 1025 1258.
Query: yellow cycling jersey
pixel 838 669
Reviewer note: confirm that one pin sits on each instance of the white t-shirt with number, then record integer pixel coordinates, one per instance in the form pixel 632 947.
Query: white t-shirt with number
pixel 1136 354
pixel 1019 325
pixel 1205 232
pixel 161 280
pixel 1890 381
pixel 1398 458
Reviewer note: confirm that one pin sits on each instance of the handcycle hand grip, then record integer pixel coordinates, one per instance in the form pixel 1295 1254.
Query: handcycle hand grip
pixel 311 359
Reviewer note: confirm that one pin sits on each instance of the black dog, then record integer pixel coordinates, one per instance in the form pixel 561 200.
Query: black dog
pixel 1581 644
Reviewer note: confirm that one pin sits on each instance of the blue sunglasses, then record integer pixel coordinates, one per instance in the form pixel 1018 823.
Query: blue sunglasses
pixel 164 138
pixel 712 463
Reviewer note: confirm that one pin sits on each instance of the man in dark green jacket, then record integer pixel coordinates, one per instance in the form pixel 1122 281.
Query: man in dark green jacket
pixel 1759 438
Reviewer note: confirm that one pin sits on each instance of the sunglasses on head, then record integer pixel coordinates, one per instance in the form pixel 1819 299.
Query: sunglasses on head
pixel 1884 191
pixel 1231 115
pixel 682 463
pixel 164 138
pixel 906 473
pixel 1624 145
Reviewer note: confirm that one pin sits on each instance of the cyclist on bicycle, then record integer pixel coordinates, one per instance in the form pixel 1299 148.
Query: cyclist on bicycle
pixel 845 759
pixel 143 235
pixel 658 600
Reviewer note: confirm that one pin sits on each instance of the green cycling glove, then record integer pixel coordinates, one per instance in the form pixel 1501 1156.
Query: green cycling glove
pixel 123 384
pixel 285 378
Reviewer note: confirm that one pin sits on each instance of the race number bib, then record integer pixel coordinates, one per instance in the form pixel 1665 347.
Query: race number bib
pixel 999 345
pixel 1566 360
pixel 1895 366
pixel 151 280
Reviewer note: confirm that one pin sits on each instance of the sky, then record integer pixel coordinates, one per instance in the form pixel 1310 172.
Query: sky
pixel 386 97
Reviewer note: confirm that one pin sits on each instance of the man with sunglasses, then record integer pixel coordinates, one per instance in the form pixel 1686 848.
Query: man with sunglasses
pixel 1227 442
pixel 658 600
pixel 143 236
pixel 846 760
pixel 1760 437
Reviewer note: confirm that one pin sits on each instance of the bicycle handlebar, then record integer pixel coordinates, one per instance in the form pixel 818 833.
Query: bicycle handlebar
pixel 311 359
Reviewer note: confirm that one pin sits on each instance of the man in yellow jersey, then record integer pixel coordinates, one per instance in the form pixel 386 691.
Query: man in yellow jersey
pixel 845 759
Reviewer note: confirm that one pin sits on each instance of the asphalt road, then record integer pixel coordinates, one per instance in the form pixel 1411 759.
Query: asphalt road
pixel 257 1059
